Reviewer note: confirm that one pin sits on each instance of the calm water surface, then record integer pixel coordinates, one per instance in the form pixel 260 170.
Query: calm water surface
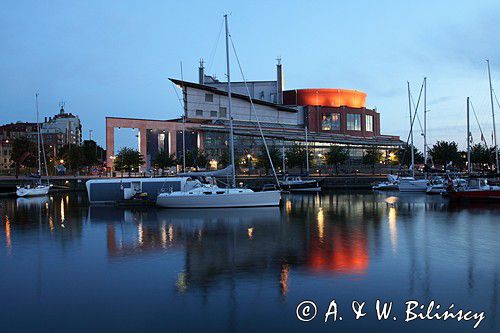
pixel 68 267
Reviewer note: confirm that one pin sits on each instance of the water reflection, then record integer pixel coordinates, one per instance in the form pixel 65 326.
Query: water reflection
pixel 397 245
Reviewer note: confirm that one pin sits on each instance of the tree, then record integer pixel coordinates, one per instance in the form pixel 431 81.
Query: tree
pixel 194 158
pixel 223 159
pixel 128 159
pixel 163 160
pixel 480 154
pixel 23 153
pixel 443 152
pixel 296 157
pixel 263 159
pixel 92 153
pixel 371 157
pixel 403 155
pixel 73 156
pixel 336 155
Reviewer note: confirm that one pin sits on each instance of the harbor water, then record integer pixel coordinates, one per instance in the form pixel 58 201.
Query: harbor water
pixel 66 266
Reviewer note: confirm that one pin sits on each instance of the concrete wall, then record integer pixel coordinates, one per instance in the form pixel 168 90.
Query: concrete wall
pixel 263 90
pixel 241 109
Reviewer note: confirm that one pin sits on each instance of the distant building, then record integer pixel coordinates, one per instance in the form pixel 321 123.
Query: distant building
pixel 330 116
pixel 67 125
pixel 56 131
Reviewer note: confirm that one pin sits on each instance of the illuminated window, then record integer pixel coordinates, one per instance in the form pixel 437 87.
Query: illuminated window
pixel 331 122
pixel 369 123
pixel 222 112
pixel 354 122
pixel 209 97
pixel 326 124
pixel 199 113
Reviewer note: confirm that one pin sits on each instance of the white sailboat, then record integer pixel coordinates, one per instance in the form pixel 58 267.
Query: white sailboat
pixel 39 188
pixel 212 196
pixel 410 184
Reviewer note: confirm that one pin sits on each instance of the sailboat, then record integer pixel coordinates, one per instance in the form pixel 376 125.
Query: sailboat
pixel 211 195
pixel 410 184
pixel 39 188
pixel 295 183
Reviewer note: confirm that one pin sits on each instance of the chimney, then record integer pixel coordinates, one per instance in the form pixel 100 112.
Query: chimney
pixel 201 73
pixel 279 81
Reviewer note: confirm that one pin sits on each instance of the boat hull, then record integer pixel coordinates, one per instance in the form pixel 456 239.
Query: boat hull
pixel 225 200
pixel 481 195
pixel 413 185
pixel 32 192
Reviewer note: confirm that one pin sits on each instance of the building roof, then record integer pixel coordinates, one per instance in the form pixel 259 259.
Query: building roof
pixel 214 90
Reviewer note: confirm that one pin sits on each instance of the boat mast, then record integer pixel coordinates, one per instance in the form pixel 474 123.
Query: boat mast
pixel 468 140
pixel 425 120
pixel 38 141
pixel 283 156
pixel 493 116
pixel 231 139
pixel 307 153
pixel 411 133
pixel 183 124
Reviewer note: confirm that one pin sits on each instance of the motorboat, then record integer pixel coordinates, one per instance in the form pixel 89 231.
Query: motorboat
pixel 390 185
pixel 32 190
pixel 212 196
pixel 476 189
pixel 439 185
pixel 410 184
pixel 297 184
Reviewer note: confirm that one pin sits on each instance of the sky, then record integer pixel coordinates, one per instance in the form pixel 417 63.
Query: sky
pixel 114 58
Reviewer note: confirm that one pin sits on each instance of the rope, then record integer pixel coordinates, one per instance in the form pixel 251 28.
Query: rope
pixel 255 112
pixel 483 138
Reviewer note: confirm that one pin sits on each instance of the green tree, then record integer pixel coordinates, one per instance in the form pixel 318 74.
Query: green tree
pixel 195 158
pixel 73 156
pixel 263 159
pixel 403 155
pixel 92 153
pixel 443 152
pixel 23 153
pixel 480 154
pixel 336 155
pixel 128 160
pixel 223 159
pixel 371 157
pixel 163 160
pixel 296 157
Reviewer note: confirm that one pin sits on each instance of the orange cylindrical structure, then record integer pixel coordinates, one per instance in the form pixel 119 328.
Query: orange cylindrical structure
pixel 330 97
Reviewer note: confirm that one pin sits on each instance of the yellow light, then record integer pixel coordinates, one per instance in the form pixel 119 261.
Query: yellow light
pixel 321 223
pixel 61 161
pixel 249 156
pixel 250 233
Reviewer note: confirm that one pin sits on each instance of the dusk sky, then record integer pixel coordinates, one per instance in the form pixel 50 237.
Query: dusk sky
pixel 113 58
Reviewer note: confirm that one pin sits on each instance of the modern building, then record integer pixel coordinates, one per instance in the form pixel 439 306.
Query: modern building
pixel 326 116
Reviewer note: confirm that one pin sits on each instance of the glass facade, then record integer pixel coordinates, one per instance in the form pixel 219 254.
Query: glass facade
pixel 369 123
pixel 353 122
pixel 331 122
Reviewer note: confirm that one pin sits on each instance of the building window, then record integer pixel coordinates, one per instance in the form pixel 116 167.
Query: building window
pixel 353 122
pixel 369 123
pixel 209 97
pixel 199 113
pixel 331 122
pixel 222 112
pixel 213 113
pixel 326 125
